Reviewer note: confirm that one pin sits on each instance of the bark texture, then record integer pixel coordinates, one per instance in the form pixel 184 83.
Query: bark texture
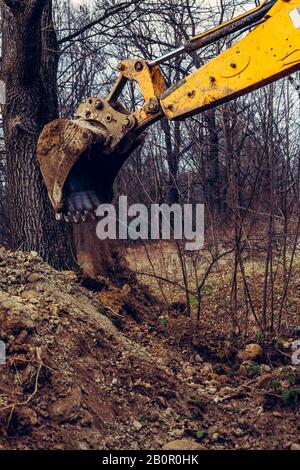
pixel 29 70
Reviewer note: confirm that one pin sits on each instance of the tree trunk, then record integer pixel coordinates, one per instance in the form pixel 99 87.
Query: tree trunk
pixel 29 70
pixel 172 196
pixel 212 180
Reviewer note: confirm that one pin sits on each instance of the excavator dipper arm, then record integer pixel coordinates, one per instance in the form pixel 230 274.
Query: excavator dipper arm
pixel 80 159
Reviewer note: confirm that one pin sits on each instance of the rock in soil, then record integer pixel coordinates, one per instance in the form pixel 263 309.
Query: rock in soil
pixel 183 444
pixel 250 352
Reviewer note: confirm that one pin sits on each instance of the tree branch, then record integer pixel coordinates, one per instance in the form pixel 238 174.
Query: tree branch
pixel 112 11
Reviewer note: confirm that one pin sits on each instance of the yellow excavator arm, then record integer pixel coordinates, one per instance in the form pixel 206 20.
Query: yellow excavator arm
pixel 269 52
pixel 80 159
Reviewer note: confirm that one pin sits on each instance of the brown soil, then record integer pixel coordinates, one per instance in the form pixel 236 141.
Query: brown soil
pixel 106 367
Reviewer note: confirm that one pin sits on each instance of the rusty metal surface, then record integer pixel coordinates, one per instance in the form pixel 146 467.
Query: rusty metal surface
pixel 60 145
pixel 103 123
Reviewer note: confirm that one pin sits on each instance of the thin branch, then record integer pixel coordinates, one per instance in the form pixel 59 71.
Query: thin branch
pixel 112 11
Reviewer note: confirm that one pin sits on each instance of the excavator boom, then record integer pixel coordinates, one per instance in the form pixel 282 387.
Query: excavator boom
pixel 271 51
pixel 80 159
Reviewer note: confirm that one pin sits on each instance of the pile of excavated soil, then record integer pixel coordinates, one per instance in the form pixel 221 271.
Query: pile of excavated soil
pixel 108 367
pixel 73 379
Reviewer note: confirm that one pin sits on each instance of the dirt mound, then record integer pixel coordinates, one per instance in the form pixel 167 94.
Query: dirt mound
pixel 73 379
pixel 107 367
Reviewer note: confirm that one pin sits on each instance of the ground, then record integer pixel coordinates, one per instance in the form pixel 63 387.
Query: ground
pixel 102 365
pixel 173 275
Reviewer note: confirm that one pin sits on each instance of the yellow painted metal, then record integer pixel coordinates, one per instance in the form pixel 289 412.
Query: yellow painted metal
pixel 269 52
pixel 150 81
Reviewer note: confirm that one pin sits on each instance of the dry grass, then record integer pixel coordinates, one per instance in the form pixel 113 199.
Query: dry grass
pixel 160 267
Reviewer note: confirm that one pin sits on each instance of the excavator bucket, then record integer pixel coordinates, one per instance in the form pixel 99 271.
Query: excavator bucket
pixel 80 159
pixel 60 146
pixel 78 175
